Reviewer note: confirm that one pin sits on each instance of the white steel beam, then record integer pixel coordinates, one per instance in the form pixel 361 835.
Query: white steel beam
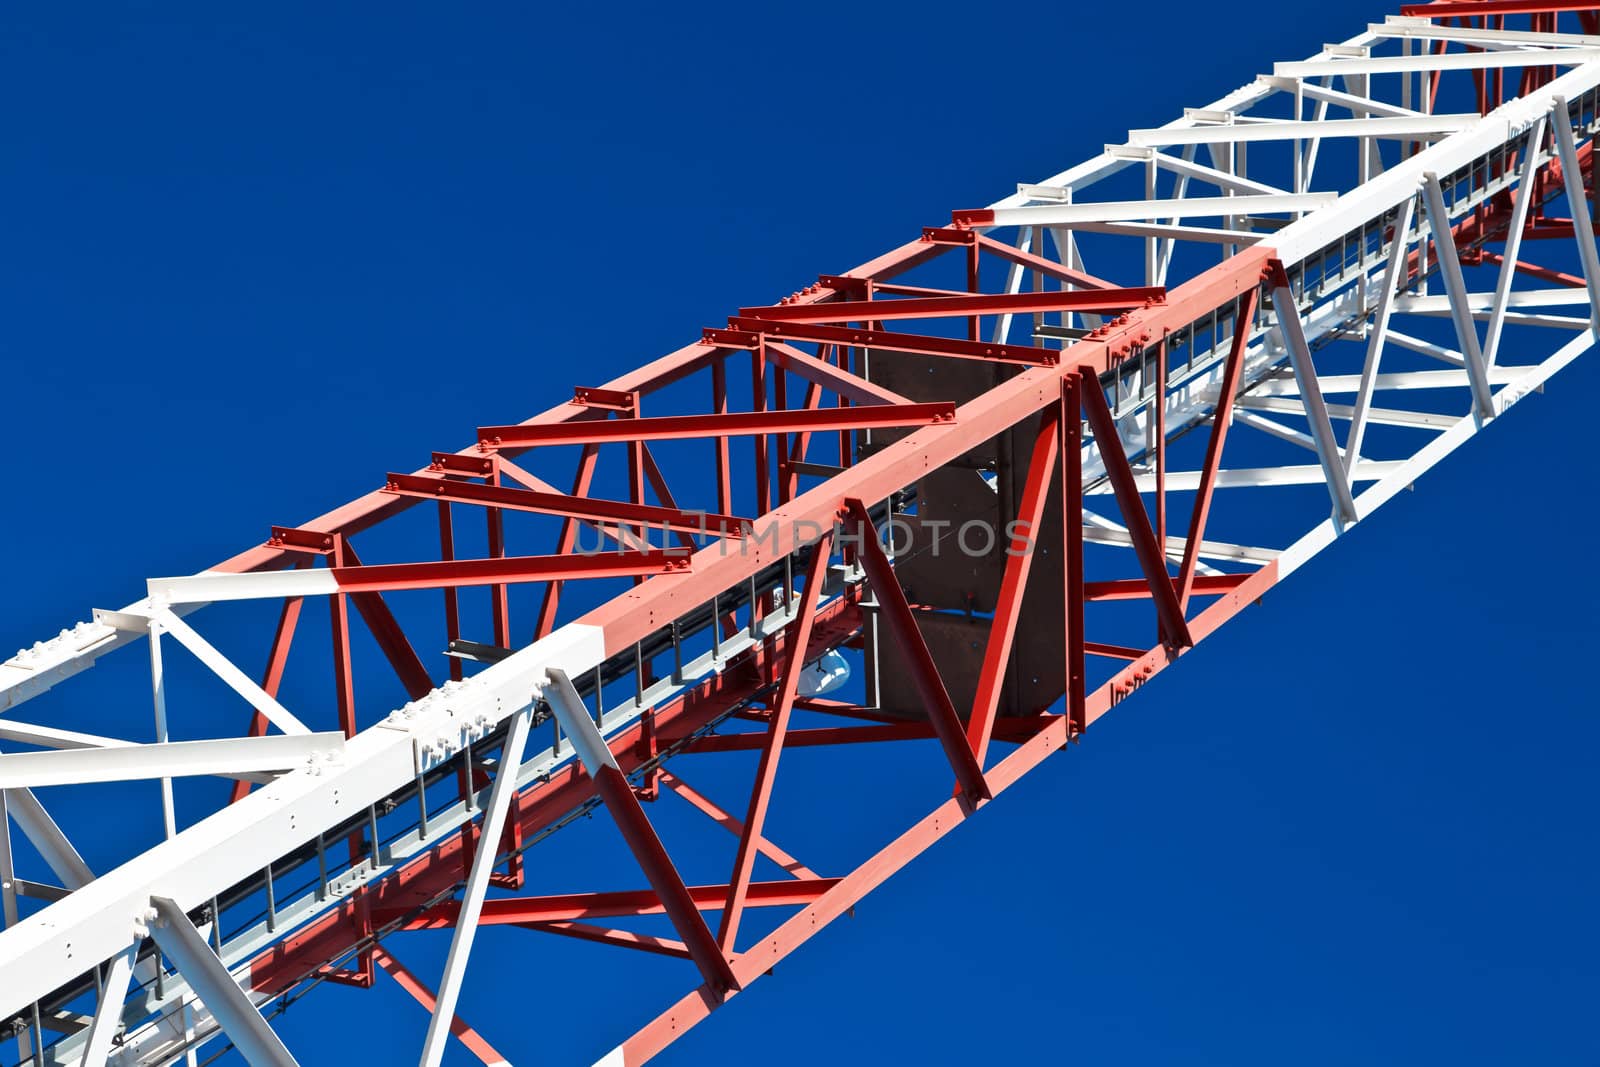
pixel 43 833
pixel 1187 168
pixel 1143 210
pixel 209 586
pixel 1427 63
pixel 1362 106
pixel 1455 288
pixel 28 733
pixel 1305 373
pixel 1204 234
pixel 1379 334
pixel 494 822
pixel 228 1004
pixel 172 759
pixel 108 1008
pixel 1406 127
pixel 223 668
pixel 1254 477
pixel 1578 204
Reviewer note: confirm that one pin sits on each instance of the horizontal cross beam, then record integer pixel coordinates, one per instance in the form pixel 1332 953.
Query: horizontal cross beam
pixel 747 333
pixel 728 424
pixel 391 577
pixel 612 512
pixel 931 307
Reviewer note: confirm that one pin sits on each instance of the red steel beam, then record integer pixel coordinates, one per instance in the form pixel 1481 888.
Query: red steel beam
pixel 1013 583
pixel 1134 516
pixel 1092 300
pixel 731 424
pixel 767 769
pixel 674 896
pixel 569 534
pixel 339 617
pixel 1469 8
pixel 661 946
pixel 1139 589
pixel 389 577
pixel 1221 417
pixel 747 333
pixel 1070 421
pixel 474 1041
pixel 1041 266
pixel 391 639
pixel 725 819
pixel 272 677
pixel 820 372
pixel 612 512
pixel 615 904
pixel 902 627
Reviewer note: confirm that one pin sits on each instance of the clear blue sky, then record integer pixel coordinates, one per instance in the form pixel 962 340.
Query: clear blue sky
pixel 247 265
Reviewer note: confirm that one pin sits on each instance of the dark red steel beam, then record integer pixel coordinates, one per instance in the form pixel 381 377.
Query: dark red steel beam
pixel 1469 8
pixel 731 424
pixel 661 946
pixel 1040 265
pixel 422 994
pixel 703 804
pixel 391 639
pixel 567 907
pixel 902 628
pixel 820 372
pixel 606 399
pixel 1092 300
pixel 569 535
pixel 747 333
pixel 475 466
pixel 676 900
pixel 1134 516
pixel 1139 589
pixel 755 818
pixel 388 577
pixel 1221 417
pixel 1013 583
pixel 1070 421
pixel 610 512
pixel 272 677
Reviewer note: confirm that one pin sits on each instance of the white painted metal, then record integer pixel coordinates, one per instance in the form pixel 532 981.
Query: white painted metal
pixel 466 929
pixel 108 1008
pixel 223 667
pixel 1455 286
pixel 167 760
pixel 227 1003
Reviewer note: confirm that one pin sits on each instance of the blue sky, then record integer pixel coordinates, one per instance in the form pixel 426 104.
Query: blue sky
pixel 249 265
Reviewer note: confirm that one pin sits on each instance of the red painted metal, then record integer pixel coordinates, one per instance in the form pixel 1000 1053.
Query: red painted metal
pixel 1093 300
pixel 766 770
pixel 422 994
pixel 1219 435
pixel 748 332
pixel 610 512
pixel 1471 8
pixel 1014 583
pixel 902 626
pixel 389 577
pixel 732 424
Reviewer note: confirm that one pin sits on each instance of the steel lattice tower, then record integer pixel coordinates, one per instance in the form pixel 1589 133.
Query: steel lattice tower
pixel 975 474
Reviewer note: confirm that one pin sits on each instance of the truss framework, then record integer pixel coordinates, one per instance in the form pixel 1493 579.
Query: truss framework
pixel 1339 349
